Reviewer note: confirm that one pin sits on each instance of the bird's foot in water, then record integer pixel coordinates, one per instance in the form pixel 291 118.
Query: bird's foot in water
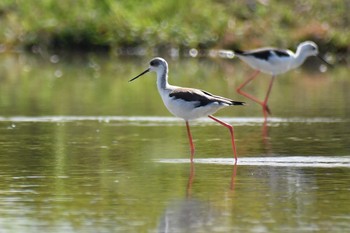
pixel 266 110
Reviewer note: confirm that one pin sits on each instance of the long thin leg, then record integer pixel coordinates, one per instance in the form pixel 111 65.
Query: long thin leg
pixel 249 96
pixel 265 107
pixel 190 139
pixel 230 127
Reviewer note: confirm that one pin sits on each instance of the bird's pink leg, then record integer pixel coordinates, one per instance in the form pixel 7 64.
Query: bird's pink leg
pixel 190 139
pixel 230 127
pixel 265 107
pixel 249 96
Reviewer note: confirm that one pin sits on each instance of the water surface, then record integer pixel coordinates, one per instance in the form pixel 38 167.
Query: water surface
pixel 83 150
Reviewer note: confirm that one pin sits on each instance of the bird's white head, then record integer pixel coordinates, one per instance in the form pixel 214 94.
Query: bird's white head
pixel 158 65
pixel 308 48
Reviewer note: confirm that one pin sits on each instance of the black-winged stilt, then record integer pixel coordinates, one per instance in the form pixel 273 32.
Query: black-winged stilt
pixel 274 61
pixel 189 103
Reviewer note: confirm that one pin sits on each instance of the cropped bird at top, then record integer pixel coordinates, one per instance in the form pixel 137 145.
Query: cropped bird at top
pixel 274 61
pixel 189 103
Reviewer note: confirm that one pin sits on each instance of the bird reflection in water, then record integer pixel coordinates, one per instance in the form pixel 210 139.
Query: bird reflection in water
pixel 191 214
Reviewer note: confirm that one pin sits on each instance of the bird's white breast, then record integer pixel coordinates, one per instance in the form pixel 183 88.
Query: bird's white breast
pixel 187 109
pixel 274 65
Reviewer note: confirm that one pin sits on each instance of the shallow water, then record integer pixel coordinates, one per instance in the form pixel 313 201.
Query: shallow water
pixel 80 153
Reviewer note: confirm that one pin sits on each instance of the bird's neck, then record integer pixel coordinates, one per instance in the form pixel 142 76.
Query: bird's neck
pixel 299 58
pixel 162 79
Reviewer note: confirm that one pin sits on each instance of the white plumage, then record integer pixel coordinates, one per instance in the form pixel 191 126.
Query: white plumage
pixel 188 103
pixel 274 62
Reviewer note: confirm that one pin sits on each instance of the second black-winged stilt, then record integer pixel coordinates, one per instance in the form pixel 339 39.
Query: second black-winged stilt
pixel 274 62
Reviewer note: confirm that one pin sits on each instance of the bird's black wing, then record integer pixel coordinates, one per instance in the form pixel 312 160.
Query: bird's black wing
pixel 202 97
pixel 264 53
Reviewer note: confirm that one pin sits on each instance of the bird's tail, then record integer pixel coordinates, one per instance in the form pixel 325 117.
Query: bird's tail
pixel 239 52
pixel 237 102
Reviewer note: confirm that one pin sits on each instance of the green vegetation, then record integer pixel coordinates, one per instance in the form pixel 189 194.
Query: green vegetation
pixel 110 24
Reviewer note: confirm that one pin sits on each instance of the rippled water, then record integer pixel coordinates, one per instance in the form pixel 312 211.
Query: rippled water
pixel 121 174
pixel 80 161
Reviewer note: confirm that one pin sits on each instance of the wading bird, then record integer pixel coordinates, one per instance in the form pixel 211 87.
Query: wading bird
pixel 274 62
pixel 189 103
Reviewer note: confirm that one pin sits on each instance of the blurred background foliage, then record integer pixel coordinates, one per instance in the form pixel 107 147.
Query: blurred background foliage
pixel 110 25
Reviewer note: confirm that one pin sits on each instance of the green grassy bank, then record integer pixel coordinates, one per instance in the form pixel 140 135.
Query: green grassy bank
pixel 113 24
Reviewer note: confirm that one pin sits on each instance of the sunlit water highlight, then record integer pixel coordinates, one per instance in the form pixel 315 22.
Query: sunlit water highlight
pixel 283 161
pixel 171 120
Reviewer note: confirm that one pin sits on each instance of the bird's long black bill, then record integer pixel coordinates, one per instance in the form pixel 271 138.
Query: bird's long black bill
pixel 144 72
pixel 238 103
pixel 324 61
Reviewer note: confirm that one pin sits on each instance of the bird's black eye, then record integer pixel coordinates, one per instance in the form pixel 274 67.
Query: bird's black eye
pixel 154 63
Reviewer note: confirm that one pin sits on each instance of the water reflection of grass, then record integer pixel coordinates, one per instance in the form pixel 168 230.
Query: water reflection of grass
pixel 107 24
pixel 30 87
